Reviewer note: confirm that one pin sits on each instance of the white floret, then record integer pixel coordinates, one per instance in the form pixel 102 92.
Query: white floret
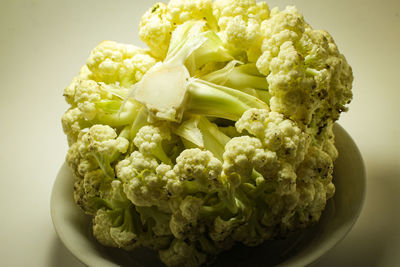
pixel 73 121
pixel 239 23
pixel 103 138
pixel 136 163
pixel 124 239
pixel 149 138
pixel 277 134
pixel 156 28
pixel 86 94
pixel 79 160
pixel 144 180
pixel 309 80
pixel 184 10
pixel 101 228
pixel 239 155
pixel 112 62
pixel 98 139
pixel 200 166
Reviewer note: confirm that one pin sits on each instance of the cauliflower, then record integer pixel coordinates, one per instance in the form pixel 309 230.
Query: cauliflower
pixel 220 132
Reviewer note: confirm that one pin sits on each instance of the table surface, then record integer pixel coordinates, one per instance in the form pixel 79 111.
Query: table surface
pixel 44 43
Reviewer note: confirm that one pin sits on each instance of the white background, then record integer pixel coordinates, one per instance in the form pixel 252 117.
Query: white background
pixel 44 43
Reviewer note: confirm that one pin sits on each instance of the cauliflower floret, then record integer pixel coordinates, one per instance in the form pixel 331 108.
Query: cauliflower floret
pixel 109 235
pixel 95 184
pixel 102 223
pixel 221 232
pixel 243 228
pixel 240 157
pixel 133 165
pixel 69 92
pixel 315 183
pixel 144 180
pixel 300 203
pixel 73 121
pixel 80 160
pixel 149 140
pixel 113 224
pixel 239 22
pixel 96 94
pixel 277 134
pixel 101 103
pixel 98 147
pixel 190 208
pixel 184 10
pixel 326 141
pixel 281 27
pixel 87 93
pixel 156 28
pixel 112 62
pixel 104 139
pixel 181 253
pixel 307 75
pixel 184 222
pixel 286 181
pixel 198 170
pixel 158 23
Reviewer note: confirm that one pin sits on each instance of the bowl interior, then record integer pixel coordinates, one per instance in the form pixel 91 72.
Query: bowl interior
pixel 74 227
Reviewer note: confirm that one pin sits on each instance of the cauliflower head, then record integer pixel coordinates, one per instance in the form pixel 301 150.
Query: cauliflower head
pixel 218 133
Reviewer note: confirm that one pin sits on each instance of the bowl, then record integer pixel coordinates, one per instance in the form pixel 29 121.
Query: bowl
pixel 300 249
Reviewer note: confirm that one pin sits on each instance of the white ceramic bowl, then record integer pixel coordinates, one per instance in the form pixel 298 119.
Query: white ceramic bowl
pixel 342 211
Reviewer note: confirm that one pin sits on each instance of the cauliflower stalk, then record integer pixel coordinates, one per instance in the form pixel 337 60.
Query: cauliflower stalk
pixel 219 133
